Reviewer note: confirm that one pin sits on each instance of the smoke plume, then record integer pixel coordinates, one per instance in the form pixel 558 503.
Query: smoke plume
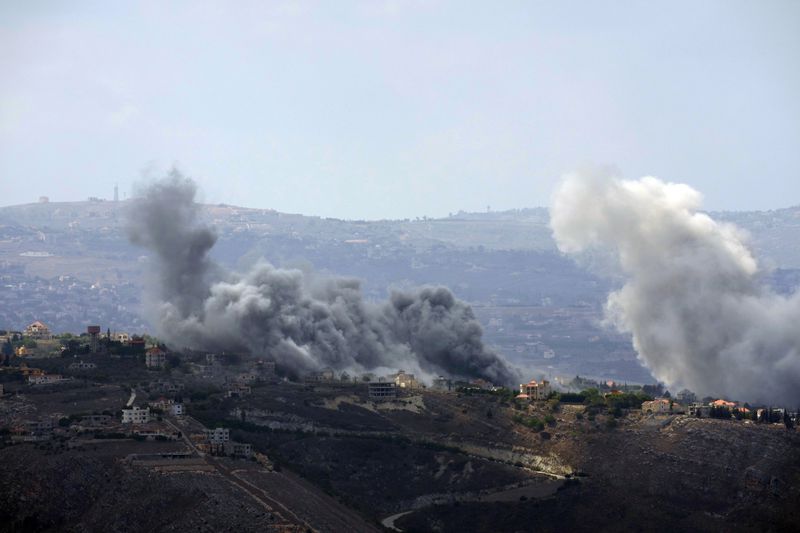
pixel 692 301
pixel 303 321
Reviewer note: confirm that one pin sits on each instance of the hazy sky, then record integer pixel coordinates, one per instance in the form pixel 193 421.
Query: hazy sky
pixel 399 109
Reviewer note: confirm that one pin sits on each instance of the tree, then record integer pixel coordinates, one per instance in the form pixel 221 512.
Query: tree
pixel 787 420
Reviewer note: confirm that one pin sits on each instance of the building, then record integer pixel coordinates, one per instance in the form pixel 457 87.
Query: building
pixel 535 390
pixel 238 390
pixel 155 358
pixel 37 330
pixel 659 406
pixel 177 409
pixel 442 384
pixel 324 375
pixel 121 337
pixel 80 365
pixel 405 381
pixel 382 390
pixel 96 420
pixel 45 379
pixel 238 449
pixel 686 397
pixel 135 415
pixel 479 383
pixel 699 410
pixel 218 436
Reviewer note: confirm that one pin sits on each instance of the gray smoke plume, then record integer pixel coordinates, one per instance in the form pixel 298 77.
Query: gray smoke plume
pixel 693 302
pixel 302 321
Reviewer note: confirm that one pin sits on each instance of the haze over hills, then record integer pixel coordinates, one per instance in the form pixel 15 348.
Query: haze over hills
pixel 71 264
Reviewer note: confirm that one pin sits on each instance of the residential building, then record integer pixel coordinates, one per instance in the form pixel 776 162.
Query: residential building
pixel 442 384
pixel 324 375
pixel 686 397
pixel 238 390
pixel 535 390
pixel 96 420
pixel 405 381
pixel 155 358
pixel 218 436
pixel 382 390
pixel 136 415
pixel 121 337
pixel 45 379
pixel 238 449
pixel 699 410
pixel 658 406
pixel 37 330
pixel 80 365
pixel 177 409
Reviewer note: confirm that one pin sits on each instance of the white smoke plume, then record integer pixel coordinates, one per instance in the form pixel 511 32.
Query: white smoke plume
pixel 699 316
pixel 303 321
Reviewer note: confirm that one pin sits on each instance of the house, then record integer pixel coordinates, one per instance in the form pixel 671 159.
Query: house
pixel 96 420
pixel 479 383
pixel 686 397
pixel 443 384
pixel 659 406
pixel 177 409
pixel 382 390
pixel 238 390
pixel 155 358
pixel 534 390
pixel 45 379
pixel 405 381
pixel 121 337
pixel 723 403
pixel 136 415
pixel 324 375
pixel 218 436
pixel 80 365
pixel 699 410
pixel 37 330
pixel 238 449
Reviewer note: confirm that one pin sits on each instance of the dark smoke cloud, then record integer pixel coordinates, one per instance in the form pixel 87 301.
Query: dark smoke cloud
pixel 692 300
pixel 303 321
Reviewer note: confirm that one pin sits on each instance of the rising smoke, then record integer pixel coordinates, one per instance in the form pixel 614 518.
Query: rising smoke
pixel 692 301
pixel 303 321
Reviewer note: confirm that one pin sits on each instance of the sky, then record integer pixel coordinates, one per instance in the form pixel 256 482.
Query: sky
pixel 390 109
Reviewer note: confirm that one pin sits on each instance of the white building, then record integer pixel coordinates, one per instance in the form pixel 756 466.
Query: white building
pixel 218 436
pixel 135 415
pixel 177 409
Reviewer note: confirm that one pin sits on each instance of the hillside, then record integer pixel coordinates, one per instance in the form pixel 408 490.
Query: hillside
pixel 70 264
